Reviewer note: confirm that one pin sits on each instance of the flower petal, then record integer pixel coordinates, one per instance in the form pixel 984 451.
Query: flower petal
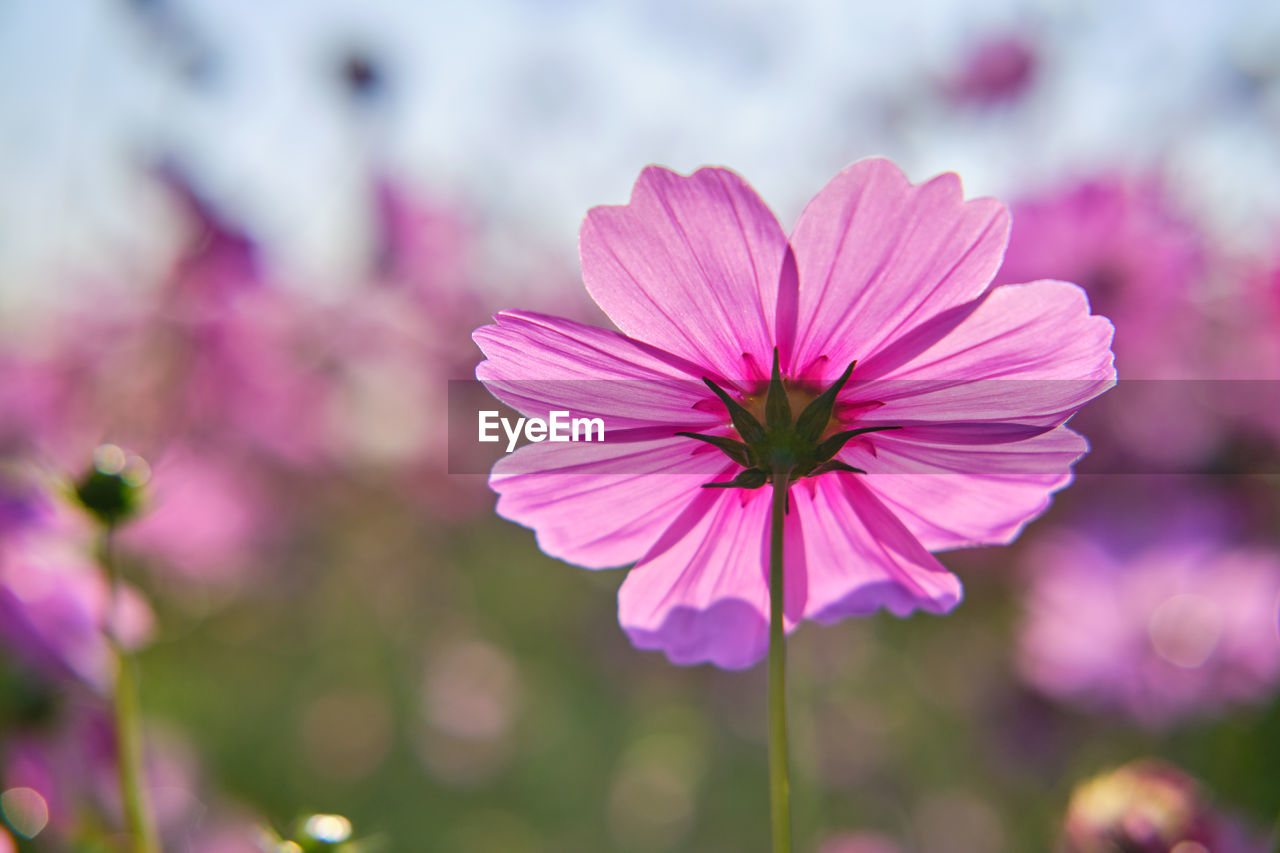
pixel 603 505
pixel 877 256
pixel 860 557
pixel 951 496
pixel 701 594
pixel 1022 361
pixel 536 363
pixel 691 265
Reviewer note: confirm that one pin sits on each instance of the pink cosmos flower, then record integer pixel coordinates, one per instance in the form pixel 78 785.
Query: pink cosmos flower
pixel 1159 632
pixel 1149 806
pixel 55 604
pixel 203 517
pixel 1244 315
pixel 71 766
pixel 426 249
pixel 880 311
pixel 1143 265
pixel 1124 241
pixel 997 70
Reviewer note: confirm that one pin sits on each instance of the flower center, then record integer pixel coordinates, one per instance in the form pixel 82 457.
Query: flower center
pixel 797 398
pixel 776 447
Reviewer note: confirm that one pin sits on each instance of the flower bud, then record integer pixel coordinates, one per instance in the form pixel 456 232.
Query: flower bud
pixel 112 489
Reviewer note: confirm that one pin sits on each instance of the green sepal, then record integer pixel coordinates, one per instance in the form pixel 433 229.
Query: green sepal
pixel 777 408
pixel 836 465
pixel 749 478
pixel 743 421
pixel 815 417
pixel 832 445
pixel 735 450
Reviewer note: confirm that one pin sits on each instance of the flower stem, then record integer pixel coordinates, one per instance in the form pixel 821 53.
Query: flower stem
pixel 779 786
pixel 133 796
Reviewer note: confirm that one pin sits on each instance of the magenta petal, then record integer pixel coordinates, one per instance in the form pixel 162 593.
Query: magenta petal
pixel 691 265
pixel 603 505
pixel 536 363
pixel 701 593
pixel 1027 356
pixel 860 557
pixel 878 256
pixel 952 496
pixel 788 305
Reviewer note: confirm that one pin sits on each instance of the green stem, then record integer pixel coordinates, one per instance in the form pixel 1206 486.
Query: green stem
pixel 779 786
pixel 133 795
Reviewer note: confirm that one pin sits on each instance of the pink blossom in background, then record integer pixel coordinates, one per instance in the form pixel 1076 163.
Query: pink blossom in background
pixel 387 385
pixel 1144 265
pixel 55 603
pixel 171 769
pixel 209 352
pixel 357 382
pixel 217 259
pixel 265 379
pixel 203 518
pixel 998 70
pixel 1244 313
pixel 1247 318
pixel 1137 257
pixel 426 249
pixel 432 253
pixel 1149 806
pixel 238 346
pixel 28 400
pixel 702 281
pixel 55 393
pixel 1178 627
pixel 71 765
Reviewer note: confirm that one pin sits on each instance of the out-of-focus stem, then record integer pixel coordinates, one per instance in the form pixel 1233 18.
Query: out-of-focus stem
pixel 128 729
pixel 779 784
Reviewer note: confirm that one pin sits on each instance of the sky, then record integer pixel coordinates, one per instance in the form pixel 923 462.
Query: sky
pixel 526 114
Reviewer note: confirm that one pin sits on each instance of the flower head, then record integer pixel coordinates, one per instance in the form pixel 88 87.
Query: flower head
pixel 996 71
pixel 1124 241
pixel 1148 806
pixel 69 768
pixel 56 607
pixel 913 406
pixel 1159 632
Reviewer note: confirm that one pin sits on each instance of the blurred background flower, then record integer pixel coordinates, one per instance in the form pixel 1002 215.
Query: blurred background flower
pixel 1149 806
pixel 249 243
pixel 1183 624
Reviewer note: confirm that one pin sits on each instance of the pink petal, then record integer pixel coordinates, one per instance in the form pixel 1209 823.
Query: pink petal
pixel 951 496
pixel 133 621
pixel 701 594
pixel 691 265
pixel 1023 360
pixel 859 557
pixel 536 363
pixel 205 516
pixel 603 505
pixel 878 256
